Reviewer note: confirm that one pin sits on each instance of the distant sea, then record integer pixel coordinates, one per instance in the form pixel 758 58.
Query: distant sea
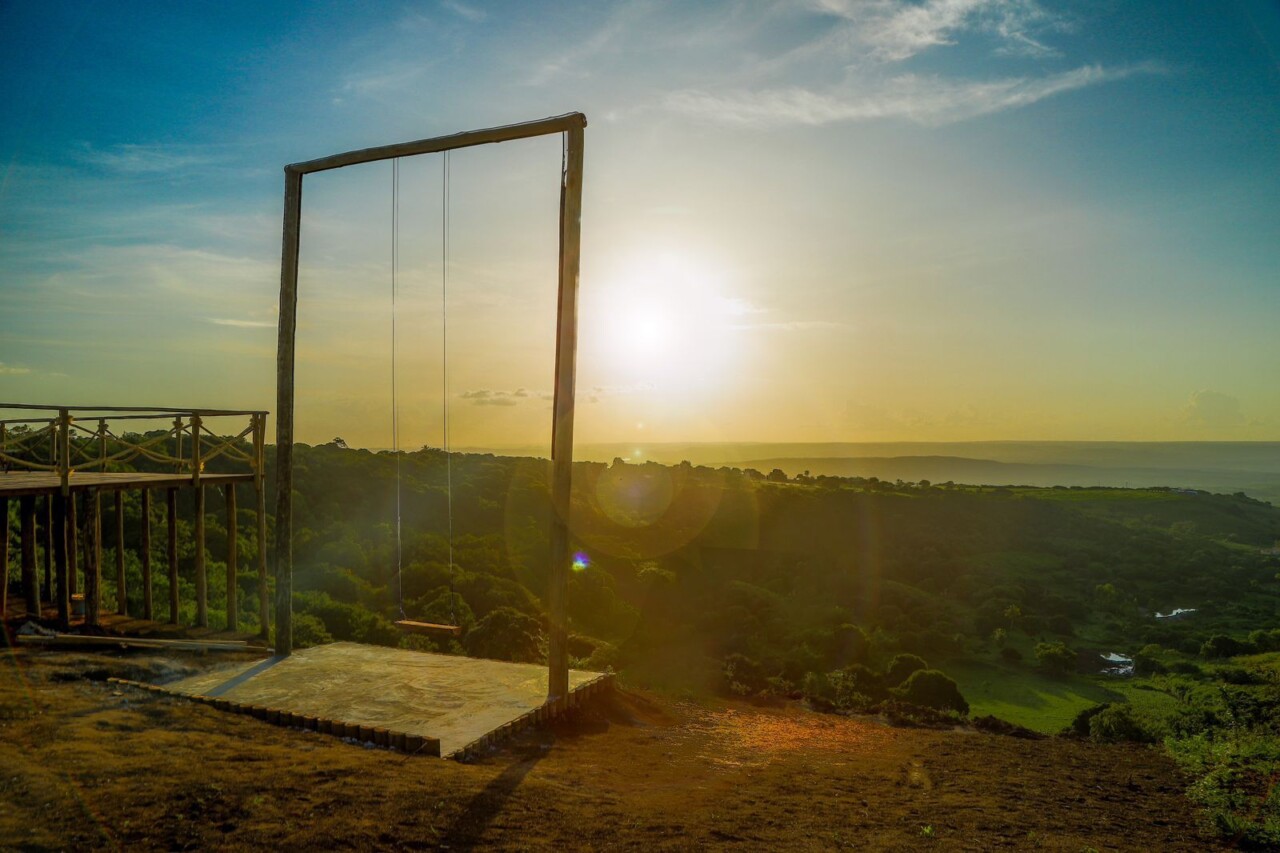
pixel 1215 466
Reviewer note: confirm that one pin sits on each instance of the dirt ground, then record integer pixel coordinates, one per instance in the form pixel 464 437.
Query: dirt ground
pixel 86 765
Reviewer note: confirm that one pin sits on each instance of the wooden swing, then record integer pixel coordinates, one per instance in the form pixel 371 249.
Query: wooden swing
pixel 449 630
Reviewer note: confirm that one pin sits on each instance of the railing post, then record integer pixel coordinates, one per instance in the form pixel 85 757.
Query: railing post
pixel 64 455
pixel 195 449
pixel 102 445
pixel 177 437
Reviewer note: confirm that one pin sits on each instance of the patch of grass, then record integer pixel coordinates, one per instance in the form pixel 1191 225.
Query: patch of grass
pixel 1024 696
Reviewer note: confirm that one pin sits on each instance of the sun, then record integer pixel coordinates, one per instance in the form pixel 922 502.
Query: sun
pixel 664 321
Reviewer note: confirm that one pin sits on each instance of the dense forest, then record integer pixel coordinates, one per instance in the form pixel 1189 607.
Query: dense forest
pixel 854 594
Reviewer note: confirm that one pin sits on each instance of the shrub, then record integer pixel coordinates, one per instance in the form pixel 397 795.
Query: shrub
pixel 848 645
pixel 1010 655
pixel 506 634
pixel 932 689
pixel 1056 658
pixel 1222 646
pixel 309 631
pixel 901 667
pixel 1118 723
pixel 744 676
pixel 1080 725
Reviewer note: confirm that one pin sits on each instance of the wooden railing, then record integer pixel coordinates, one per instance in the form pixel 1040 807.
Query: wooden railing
pixel 83 439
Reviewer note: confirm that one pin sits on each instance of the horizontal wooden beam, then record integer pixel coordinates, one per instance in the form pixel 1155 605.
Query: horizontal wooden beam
pixel 505 133
pixel 87 641
pixel 157 411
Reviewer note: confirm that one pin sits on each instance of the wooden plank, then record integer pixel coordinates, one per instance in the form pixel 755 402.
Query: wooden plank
pixel 93 567
pixel 171 506
pixel 232 546
pixel 505 133
pixel 145 547
pixel 563 411
pixel 413 627
pixel 122 591
pixel 91 641
pixel 4 557
pixel 284 410
pixel 17 483
pixel 62 565
pixel 30 577
pixel 202 577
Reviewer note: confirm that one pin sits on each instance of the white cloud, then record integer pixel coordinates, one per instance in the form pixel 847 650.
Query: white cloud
pixel 928 101
pixel 462 10
pixel 1213 409
pixel 10 370
pixel 242 324
pixel 134 159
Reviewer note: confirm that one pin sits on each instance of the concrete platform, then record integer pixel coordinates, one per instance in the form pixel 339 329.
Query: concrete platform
pixel 439 704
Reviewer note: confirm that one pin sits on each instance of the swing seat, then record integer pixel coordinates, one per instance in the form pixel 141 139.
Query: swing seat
pixel 429 628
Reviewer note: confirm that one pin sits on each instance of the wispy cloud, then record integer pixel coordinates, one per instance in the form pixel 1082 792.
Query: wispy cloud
pixel 11 370
pixel 926 100
pixel 138 159
pixel 791 326
pixel 894 31
pixel 462 10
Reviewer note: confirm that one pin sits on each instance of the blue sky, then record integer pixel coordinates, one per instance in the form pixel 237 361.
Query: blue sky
pixel 804 220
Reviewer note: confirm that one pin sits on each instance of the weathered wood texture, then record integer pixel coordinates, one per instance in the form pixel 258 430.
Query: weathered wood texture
pixel 16 483
pixel 93 567
pixel 232 569
pixel 62 565
pixel 30 577
pixel 563 409
pixel 122 586
pixel 148 605
pixel 171 551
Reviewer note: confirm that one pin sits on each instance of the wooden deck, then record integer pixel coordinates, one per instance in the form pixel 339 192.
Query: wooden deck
pixel 17 483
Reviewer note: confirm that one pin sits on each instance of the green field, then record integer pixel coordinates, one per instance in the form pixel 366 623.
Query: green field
pixel 1027 698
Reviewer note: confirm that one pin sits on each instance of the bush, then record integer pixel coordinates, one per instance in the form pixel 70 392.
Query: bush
pixel 1222 646
pixel 1118 723
pixel 848 645
pixel 932 689
pixel 1147 661
pixel 1010 655
pixel 744 676
pixel 309 631
pixel 1056 658
pixel 901 667
pixel 506 634
pixel 1080 725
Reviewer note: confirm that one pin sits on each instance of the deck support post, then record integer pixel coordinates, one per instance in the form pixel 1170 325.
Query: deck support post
pixel 30 576
pixel 562 416
pixel 284 409
pixel 122 592
pixel 61 564
pixel 233 604
pixel 93 569
pixel 73 543
pixel 47 559
pixel 202 577
pixel 148 611
pixel 171 506
pixel 4 558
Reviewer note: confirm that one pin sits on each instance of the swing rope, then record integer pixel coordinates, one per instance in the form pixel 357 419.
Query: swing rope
pixel 395 404
pixel 444 366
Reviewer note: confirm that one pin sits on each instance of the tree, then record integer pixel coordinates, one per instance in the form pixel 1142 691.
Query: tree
pixel 932 689
pixel 901 668
pixel 506 634
pixel 1056 658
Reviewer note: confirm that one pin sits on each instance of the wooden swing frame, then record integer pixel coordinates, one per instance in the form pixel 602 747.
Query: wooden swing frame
pixel 572 125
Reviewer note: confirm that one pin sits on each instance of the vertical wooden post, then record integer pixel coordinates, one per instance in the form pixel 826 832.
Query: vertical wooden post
pixel 61 565
pixel 93 570
pixel 284 409
pixel 562 413
pixel 73 543
pixel 260 496
pixel 47 561
pixel 4 558
pixel 171 505
pixel 233 604
pixel 30 577
pixel 148 612
pixel 202 578
pixel 122 592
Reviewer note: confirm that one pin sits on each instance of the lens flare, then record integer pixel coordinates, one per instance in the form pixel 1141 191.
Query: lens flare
pixel 581 561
